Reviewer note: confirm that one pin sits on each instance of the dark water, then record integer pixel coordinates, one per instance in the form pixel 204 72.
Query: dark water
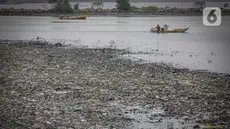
pixel 200 48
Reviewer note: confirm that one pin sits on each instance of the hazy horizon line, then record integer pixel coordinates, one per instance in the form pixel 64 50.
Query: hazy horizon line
pixel 46 1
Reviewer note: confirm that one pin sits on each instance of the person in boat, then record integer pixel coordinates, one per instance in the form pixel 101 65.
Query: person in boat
pixel 61 17
pixel 166 27
pixel 158 28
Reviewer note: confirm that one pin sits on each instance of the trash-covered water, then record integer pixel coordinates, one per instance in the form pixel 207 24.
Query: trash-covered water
pixel 152 118
pixel 50 86
pixel 200 48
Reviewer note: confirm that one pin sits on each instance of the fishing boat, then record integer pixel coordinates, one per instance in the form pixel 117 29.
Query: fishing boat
pixel 73 17
pixel 170 31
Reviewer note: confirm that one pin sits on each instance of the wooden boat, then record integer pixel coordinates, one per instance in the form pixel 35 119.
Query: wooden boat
pixel 170 31
pixel 73 18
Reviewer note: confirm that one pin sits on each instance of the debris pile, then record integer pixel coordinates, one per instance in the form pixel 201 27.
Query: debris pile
pixel 49 86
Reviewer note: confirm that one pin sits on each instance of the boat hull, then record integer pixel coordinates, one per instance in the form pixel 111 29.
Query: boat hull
pixel 74 18
pixel 170 31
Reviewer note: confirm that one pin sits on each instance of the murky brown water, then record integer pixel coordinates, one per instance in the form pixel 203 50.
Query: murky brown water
pixel 200 48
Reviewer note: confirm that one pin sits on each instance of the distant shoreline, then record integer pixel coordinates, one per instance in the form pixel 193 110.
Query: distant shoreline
pixel 114 14
pixel 46 1
pixel 108 12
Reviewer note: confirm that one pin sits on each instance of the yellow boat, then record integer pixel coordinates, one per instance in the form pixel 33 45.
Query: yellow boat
pixel 73 18
pixel 170 31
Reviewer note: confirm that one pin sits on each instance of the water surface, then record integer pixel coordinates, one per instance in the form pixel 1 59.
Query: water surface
pixel 200 48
